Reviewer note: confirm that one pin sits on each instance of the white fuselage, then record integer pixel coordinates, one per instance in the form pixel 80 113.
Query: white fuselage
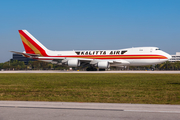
pixel 130 57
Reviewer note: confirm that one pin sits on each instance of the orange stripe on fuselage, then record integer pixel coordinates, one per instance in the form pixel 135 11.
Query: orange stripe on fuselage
pixel 115 56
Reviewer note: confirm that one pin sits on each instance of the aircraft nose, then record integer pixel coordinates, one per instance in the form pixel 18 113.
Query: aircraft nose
pixel 168 56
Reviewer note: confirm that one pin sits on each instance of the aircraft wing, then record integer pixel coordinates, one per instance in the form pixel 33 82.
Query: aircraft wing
pixel 121 62
pixel 63 59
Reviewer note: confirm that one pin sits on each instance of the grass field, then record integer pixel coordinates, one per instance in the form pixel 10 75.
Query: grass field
pixel 108 88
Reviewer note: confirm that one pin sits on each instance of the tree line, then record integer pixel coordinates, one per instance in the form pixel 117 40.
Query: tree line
pixel 39 65
pixel 32 65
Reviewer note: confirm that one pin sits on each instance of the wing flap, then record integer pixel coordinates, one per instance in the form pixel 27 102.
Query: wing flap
pixel 121 62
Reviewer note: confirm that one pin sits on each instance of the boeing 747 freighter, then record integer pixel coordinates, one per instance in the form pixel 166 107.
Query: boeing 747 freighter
pixel 102 59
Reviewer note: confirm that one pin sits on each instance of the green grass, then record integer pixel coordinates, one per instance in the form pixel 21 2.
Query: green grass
pixel 108 88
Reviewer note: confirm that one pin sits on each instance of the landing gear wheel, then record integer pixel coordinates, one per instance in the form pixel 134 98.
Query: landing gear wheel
pixel 102 69
pixel 91 69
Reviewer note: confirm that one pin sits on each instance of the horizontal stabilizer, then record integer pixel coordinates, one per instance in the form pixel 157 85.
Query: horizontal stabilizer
pixel 26 54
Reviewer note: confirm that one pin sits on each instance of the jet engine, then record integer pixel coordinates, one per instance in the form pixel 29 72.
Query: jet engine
pixel 103 65
pixel 73 63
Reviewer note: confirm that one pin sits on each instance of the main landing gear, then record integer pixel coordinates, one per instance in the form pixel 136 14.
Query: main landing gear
pixel 91 69
pixel 94 69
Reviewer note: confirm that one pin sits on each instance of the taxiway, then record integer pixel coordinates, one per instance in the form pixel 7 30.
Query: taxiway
pixel 18 110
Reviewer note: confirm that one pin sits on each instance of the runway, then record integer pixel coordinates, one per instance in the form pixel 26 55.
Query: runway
pixel 59 71
pixel 18 110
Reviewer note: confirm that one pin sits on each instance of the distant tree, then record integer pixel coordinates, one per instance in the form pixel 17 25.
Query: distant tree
pixel 1 65
pixel 36 65
pixel 176 65
pixel 44 65
pixel 6 65
pixel 50 66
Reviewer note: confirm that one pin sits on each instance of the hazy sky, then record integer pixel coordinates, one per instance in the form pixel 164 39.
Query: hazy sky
pixel 90 24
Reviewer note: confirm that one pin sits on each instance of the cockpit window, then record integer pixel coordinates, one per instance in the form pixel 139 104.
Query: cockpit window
pixel 158 49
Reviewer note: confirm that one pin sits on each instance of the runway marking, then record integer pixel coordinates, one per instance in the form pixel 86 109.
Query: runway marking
pixel 147 111
pixel 152 111
pixel 63 108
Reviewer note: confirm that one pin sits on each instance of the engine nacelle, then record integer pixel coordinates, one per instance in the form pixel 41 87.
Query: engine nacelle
pixel 73 63
pixel 103 64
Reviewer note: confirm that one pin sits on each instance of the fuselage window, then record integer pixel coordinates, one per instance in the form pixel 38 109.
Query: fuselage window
pixel 93 52
pixel 101 52
pixel 97 52
pixel 89 53
pixel 104 53
pixel 82 53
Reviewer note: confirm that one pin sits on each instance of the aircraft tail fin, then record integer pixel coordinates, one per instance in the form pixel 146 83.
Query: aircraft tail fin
pixel 31 44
